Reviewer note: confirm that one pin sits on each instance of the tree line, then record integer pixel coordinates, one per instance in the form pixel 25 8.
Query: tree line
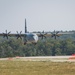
pixel 64 45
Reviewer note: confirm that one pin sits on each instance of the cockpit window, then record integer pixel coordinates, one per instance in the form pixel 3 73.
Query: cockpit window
pixel 30 36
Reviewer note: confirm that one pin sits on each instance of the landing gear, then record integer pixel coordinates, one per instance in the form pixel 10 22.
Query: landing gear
pixel 24 43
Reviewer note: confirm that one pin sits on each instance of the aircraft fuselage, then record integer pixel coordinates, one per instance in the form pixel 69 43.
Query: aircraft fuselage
pixel 30 38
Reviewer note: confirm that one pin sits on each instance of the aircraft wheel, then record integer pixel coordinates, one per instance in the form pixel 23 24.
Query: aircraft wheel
pixel 24 43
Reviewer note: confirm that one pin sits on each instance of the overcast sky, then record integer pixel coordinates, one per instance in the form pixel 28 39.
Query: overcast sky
pixel 47 15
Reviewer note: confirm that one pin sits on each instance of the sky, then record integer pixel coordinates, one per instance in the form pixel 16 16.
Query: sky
pixel 47 15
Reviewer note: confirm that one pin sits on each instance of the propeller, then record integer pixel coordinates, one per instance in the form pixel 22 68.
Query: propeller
pixel 6 34
pixel 19 35
pixel 42 34
pixel 55 34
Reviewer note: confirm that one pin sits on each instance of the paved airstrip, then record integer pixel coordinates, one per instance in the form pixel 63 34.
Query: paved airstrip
pixel 42 58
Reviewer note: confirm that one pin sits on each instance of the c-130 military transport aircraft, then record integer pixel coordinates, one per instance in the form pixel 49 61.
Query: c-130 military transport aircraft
pixel 30 37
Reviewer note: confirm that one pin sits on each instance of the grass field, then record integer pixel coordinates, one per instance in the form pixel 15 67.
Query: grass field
pixel 36 68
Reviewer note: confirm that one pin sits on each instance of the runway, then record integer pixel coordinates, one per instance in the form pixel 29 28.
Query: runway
pixel 42 58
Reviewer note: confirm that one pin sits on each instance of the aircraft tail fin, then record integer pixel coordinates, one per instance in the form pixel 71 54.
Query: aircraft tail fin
pixel 25 26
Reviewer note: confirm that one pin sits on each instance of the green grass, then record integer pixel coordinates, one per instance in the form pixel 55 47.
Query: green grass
pixel 36 68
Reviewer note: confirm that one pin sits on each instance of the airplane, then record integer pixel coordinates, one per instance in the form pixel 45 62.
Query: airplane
pixel 31 37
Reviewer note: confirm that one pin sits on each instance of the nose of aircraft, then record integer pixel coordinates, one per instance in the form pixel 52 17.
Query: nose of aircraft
pixel 35 37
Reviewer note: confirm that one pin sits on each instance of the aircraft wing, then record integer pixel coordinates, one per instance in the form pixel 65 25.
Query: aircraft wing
pixel 6 35
pixel 52 34
pixel 13 34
